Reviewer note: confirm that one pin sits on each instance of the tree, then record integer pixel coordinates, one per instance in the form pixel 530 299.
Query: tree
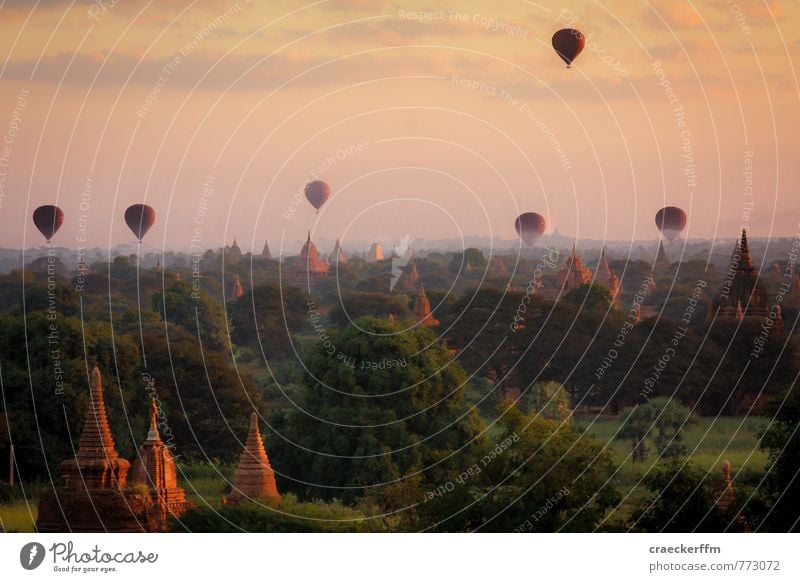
pixel 380 406
pixel 590 296
pixel 548 399
pixel 781 438
pixel 682 499
pixel 195 311
pixel 535 475
pixel 662 419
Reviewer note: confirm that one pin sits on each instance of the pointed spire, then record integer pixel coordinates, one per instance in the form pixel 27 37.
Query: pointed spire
pixel 265 252
pixel 152 434
pixel 744 251
pixel 238 291
pixel 254 477
pixel 739 312
pixel 155 467
pixel 422 309
pixel 96 440
pixel 661 262
pixel 97 464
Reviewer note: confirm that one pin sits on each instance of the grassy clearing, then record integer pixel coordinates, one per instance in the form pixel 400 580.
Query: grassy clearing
pixel 17 516
pixel 710 442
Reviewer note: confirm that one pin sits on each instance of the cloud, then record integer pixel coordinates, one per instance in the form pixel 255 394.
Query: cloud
pixel 673 15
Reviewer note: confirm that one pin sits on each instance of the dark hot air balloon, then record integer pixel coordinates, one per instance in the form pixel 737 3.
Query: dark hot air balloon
pixel 671 221
pixel 568 44
pixel 317 193
pixel 530 226
pixel 48 219
pixel 139 218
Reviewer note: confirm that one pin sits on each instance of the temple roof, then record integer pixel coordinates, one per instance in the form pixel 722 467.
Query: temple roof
pixel 254 477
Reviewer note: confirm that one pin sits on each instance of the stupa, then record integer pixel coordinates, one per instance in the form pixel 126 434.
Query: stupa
pixel 661 263
pixel 233 253
pixel 308 268
pixel 94 497
pixel 375 253
pixel 727 499
pixel 338 256
pixel 422 309
pixel 254 477
pixel 608 278
pixel 409 278
pixel 155 468
pixel 237 291
pixel 574 274
pixel 265 253
pixel 743 293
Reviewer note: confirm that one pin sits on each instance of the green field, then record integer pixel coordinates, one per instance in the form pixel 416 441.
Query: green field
pixel 710 441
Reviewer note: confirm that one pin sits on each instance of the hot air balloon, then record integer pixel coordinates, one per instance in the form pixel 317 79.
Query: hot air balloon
pixel 671 221
pixel 568 44
pixel 139 218
pixel 48 219
pixel 530 226
pixel 317 193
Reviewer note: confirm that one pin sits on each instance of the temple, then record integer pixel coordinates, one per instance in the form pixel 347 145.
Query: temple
pixel 409 278
pixel 337 256
pixel 375 253
pixel 742 294
pixel 422 309
pixel 94 496
pixel 155 468
pixel 608 278
pixel 237 290
pixel 233 253
pixel 254 477
pixel 574 274
pixel 727 500
pixel 265 253
pixel 308 268
pixel 661 262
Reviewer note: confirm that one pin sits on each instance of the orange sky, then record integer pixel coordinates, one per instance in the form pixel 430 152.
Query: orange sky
pixel 428 119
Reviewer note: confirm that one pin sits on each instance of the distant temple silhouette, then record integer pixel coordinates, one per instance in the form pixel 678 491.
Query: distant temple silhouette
pixel 661 262
pixel 375 253
pixel 233 253
pixel 237 290
pixel 265 252
pixel 607 277
pixel 743 293
pixel 338 256
pixel 574 274
pixel 422 309
pixel 308 268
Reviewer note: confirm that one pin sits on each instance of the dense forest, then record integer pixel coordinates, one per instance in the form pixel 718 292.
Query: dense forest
pixel 382 424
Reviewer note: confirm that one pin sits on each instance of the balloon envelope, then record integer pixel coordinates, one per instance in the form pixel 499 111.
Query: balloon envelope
pixel 568 44
pixel 317 193
pixel 671 220
pixel 139 218
pixel 530 226
pixel 48 219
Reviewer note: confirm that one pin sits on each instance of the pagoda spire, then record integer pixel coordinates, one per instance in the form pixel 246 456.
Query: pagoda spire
pixel 662 262
pixel 238 291
pixel 744 252
pixel 422 309
pixel 254 477
pixel 97 465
